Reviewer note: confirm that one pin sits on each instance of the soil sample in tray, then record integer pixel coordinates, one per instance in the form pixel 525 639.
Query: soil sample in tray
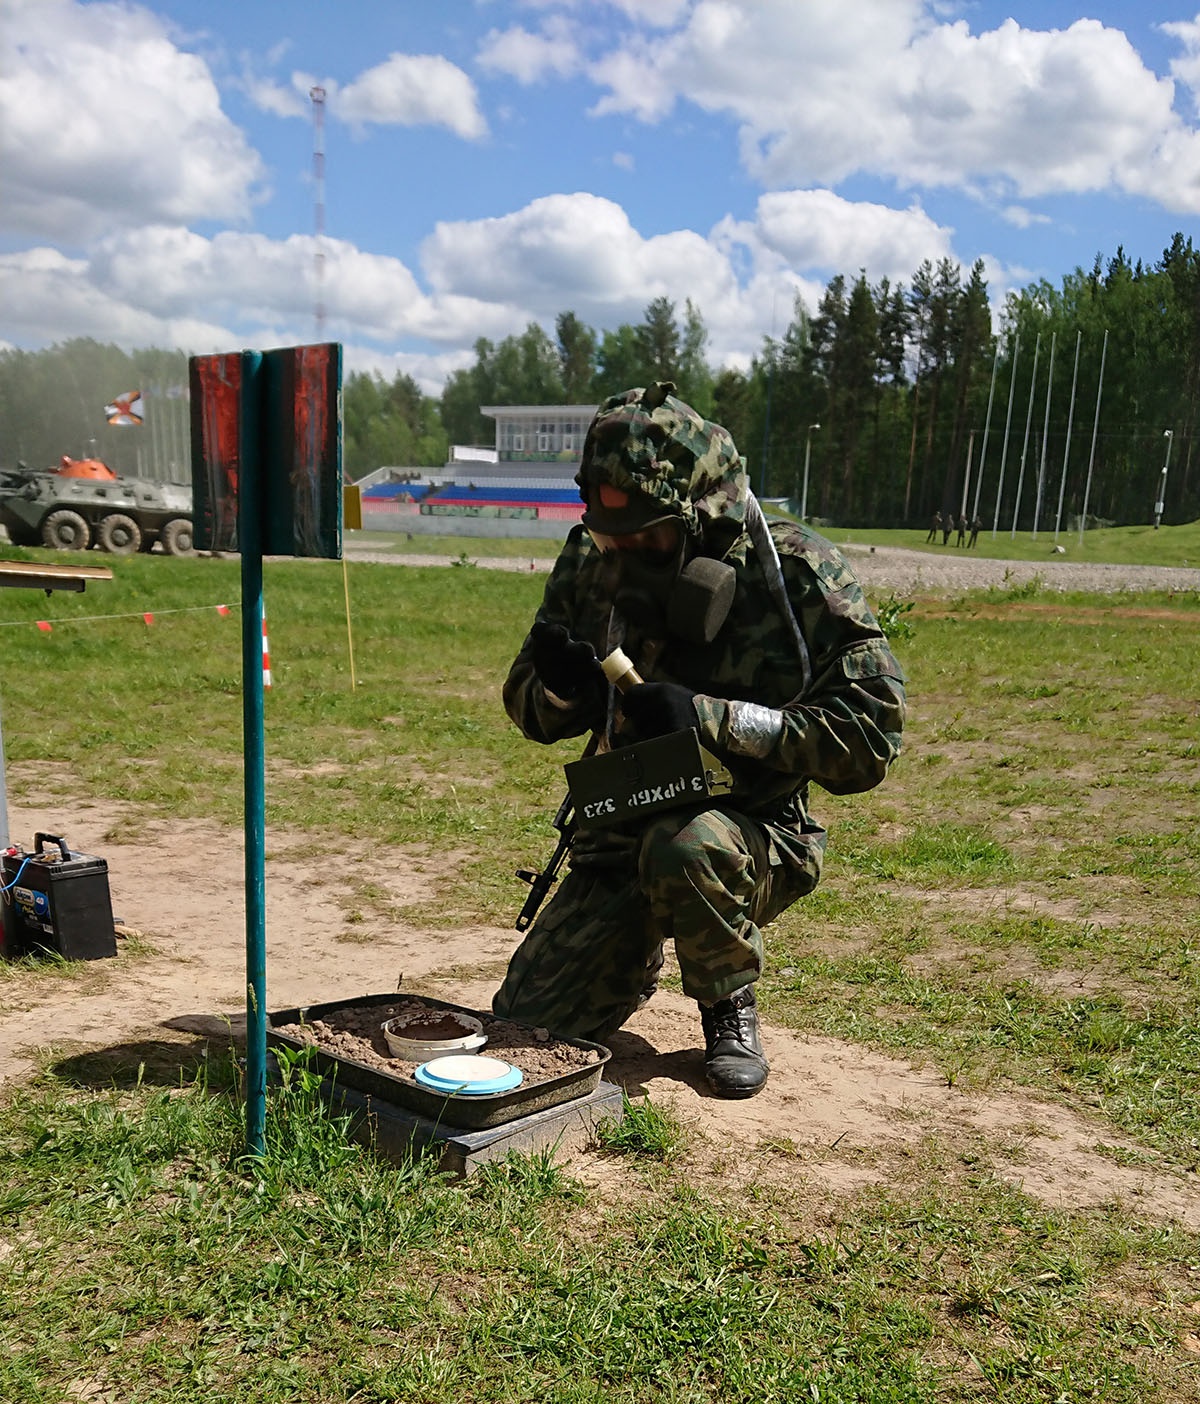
pixel 355 1032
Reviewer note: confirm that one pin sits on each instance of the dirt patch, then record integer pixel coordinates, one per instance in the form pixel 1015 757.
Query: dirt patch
pixel 833 1113
pixel 935 607
pixel 890 568
pixel 355 1031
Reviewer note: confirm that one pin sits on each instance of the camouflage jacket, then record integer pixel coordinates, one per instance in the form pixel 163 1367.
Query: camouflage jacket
pixel 774 728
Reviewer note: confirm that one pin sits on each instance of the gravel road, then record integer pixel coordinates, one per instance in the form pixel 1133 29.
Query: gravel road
pixel 899 569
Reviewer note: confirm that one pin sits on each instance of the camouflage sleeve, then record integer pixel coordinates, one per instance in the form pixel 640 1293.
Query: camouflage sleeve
pixel 537 713
pixel 844 731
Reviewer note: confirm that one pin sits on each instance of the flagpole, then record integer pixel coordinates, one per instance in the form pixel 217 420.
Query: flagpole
pixel 987 424
pixel 1041 482
pixel 1067 447
pixel 1012 385
pixel 1037 347
pixel 1087 491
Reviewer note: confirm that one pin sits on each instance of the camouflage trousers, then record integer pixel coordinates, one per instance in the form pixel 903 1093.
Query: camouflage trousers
pixel 707 881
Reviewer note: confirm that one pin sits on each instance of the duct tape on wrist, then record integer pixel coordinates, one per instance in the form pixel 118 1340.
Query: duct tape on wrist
pixel 634 782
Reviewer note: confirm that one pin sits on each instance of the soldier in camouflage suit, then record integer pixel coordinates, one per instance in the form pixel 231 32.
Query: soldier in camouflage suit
pixel 774 658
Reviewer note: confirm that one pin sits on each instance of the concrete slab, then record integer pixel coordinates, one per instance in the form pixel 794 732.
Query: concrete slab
pixel 395 1132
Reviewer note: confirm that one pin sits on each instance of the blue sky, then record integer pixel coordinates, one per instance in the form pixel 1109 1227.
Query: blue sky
pixel 493 162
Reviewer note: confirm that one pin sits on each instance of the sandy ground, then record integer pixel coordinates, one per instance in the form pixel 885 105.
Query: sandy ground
pixel 831 1112
pixel 881 568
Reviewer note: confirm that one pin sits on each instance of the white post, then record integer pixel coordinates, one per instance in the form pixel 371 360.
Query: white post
pixel 1087 489
pixel 1067 447
pixel 1041 482
pixel 1037 347
pixel 1168 434
pixel 967 478
pixel 1012 385
pixel 807 455
pixel 987 424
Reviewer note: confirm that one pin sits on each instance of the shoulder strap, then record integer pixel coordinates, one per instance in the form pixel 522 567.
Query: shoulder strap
pixel 768 555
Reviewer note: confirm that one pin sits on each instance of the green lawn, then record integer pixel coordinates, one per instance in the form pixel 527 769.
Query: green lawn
pixel 1129 545
pixel 1016 909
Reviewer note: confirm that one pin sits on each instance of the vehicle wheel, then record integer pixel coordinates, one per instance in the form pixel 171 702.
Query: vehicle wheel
pixel 119 535
pixel 24 536
pixel 176 537
pixel 65 530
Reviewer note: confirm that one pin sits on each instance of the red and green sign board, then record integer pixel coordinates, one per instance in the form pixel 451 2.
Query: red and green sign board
pixel 277 414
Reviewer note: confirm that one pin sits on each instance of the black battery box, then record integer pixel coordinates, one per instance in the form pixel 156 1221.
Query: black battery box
pixel 635 781
pixel 55 900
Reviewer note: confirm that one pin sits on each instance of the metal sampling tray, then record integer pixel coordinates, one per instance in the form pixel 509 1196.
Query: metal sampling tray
pixel 471 1113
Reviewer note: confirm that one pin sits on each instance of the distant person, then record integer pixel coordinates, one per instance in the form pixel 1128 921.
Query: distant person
pixel 947 528
pixel 934 527
pixel 976 525
pixel 961 538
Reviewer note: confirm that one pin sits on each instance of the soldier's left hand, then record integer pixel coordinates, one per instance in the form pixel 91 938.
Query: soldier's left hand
pixel 658 708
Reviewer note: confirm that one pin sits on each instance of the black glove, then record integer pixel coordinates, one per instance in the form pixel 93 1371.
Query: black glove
pixel 658 708
pixel 565 666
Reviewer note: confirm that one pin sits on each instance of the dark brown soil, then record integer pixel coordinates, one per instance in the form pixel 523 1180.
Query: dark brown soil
pixel 355 1031
pixel 426 1026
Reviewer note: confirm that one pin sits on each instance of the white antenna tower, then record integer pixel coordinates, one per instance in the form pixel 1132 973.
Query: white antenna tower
pixel 318 101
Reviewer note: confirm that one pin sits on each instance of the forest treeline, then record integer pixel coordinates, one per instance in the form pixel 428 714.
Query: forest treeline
pixel 903 398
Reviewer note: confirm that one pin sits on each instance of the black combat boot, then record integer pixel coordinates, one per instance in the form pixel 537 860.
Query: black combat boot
pixel 654 967
pixel 733 1056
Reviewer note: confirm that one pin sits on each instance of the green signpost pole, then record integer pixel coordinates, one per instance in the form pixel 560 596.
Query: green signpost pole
pixel 266 480
pixel 250 538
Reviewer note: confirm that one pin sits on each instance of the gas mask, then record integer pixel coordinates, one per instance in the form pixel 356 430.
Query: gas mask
pixel 651 581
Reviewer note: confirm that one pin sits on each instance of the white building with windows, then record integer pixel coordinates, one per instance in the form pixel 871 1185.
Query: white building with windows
pixel 540 433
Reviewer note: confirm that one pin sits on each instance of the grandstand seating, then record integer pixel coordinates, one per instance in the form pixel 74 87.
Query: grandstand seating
pixel 498 496
pixel 388 491
pixel 558 503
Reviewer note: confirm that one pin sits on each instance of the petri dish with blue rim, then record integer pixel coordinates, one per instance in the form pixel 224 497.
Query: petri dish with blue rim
pixel 468 1075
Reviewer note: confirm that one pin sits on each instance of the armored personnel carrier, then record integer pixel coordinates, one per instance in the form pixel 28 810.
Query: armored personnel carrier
pixel 118 515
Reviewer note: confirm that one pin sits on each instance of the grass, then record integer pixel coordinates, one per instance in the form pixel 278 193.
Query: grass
pixel 643 1129
pixel 146 1262
pixel 1127 545
pixel 455 548
pixel 1015 908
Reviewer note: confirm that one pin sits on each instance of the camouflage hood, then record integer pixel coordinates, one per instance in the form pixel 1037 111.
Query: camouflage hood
pixel 671 460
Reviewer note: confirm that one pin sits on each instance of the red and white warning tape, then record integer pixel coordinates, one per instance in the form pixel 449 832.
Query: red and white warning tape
pixel 146 616
pixel 266 653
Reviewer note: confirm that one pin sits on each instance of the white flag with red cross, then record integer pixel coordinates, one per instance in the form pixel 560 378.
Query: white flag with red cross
pixel 125 409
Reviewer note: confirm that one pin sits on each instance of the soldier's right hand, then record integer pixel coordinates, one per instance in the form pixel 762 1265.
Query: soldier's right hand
pixel 565 666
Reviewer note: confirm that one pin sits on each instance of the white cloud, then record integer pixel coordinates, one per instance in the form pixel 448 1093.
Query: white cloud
pixel 412 90
pixel 816 229
pixel 580 252
pixel 430 371
pixel 1187 68
pixel 576 245
pixel 281 100
pixel 659 13
pixel 104 122
pixel 833 87
pixel 530 58
pixel 1021 218
pixel 167 285
pixel 48 297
